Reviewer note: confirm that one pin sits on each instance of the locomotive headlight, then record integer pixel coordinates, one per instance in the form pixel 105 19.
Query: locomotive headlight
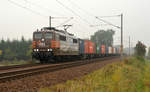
pixel 42 39
pixel 49 49
pixel 34 49
pixel 37 49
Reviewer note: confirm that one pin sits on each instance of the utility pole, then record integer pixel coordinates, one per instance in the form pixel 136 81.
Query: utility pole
pixel 50 21
pixel 121 37
pixel 129 46
pixel 119 27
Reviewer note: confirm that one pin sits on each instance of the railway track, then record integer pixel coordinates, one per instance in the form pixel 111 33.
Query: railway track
pixel 17 66
pixel 30 71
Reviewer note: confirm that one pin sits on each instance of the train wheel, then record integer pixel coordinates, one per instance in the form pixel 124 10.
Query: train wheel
pixel 42 61
pixel 57 59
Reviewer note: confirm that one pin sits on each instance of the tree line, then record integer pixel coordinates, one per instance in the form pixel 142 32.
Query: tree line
pixel 22 49
pixel 103 37
pixel 15 49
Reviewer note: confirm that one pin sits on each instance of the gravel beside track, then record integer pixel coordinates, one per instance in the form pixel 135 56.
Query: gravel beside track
pixel 17 66
pixel 33 83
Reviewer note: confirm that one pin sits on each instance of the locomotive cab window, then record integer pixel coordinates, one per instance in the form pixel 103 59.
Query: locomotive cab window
pixel 62 38
pixel 75 41
pixel 48 35
pixel 57 37
pixel 38 35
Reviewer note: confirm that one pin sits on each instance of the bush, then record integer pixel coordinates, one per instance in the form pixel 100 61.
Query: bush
pixel 140 58
pixel 131 75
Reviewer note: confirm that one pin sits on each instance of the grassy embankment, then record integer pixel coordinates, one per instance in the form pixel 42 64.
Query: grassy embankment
pixel 131 75
pixel 16 62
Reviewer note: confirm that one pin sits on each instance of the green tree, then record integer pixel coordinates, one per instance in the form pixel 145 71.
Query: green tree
pixel 103 37
pixel 0 52
pixel 15 49
pixel 140 49
pixel 0 55
pixel 29 52
pixel 2 45
pixel 9 55
pixel 149 52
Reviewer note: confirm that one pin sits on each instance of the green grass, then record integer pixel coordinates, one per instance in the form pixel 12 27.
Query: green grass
pixel 131 75
pixel 15 62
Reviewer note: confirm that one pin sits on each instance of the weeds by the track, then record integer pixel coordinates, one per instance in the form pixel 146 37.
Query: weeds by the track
pixel 16 62
pixel 131 75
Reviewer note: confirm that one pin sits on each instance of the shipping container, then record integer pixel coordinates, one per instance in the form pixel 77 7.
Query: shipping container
pixel 89 47
pixel 114 51
pixel 97 49
pixel 86 46
pixel 109 50
pixel 94 47
pixel 117 50
pixel 103 49
pixel 81 48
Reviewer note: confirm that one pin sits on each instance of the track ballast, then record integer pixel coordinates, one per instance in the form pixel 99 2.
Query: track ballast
pixel 33 70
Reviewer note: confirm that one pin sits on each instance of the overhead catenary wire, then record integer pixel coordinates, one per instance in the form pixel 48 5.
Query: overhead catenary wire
pixel 98 25
pixel 107 22
pixel 73 12
pixel 42 7
pixel 90 14
pixel 65 22
pixel 61 17
pixel 28 9
pixel 86 12
pixel 63 6
pixel 108 16
pixel 33 11
pixel 38 13
pixel 82 10
pixel 55 17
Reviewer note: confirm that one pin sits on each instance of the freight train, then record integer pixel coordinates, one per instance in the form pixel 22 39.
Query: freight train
pixel 50 44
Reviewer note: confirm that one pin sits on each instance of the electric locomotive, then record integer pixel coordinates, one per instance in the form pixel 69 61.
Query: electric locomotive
pixel 50 44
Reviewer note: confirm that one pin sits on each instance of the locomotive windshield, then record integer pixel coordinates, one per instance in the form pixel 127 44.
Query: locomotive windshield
pixel 48 35
pixel 38 35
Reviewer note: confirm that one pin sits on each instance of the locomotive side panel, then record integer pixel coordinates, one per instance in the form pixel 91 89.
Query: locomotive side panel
pixel 68 45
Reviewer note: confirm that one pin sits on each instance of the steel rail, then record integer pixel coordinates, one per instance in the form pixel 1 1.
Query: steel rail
pixel 7 76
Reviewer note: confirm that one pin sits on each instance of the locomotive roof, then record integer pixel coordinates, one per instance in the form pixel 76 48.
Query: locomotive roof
pixel 53 28
pixel 57 30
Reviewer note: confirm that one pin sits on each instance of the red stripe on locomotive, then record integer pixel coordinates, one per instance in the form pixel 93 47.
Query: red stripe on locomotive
pixel 55 44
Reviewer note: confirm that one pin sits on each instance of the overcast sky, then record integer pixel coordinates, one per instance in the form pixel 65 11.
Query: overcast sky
pixel 16 21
